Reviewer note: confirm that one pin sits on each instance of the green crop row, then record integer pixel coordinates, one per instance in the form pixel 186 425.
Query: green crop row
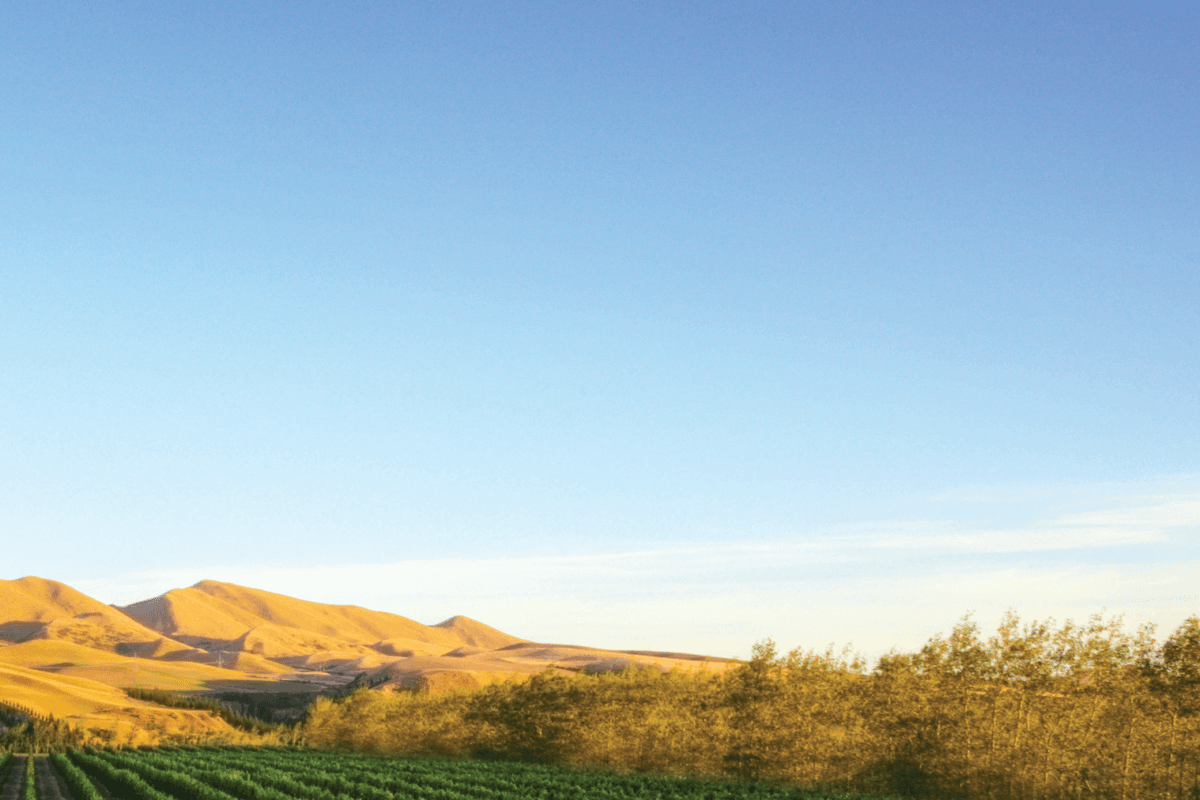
pixel 118 782
pixel 77 781
pixel 255 782
pixel 367 784
pixel 357 775
pixel 305 779
pixel 29 789
pixel 388 783
pixel 264 774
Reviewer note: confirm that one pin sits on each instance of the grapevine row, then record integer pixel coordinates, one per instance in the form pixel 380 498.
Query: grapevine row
pixel 262 774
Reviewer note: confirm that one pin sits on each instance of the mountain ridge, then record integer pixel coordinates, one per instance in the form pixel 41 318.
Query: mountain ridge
pixel 33 608
pixel 224 639
pixel 213 611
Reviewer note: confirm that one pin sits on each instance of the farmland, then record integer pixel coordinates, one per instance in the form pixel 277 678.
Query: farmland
pixel 1036 711
pixel 275 774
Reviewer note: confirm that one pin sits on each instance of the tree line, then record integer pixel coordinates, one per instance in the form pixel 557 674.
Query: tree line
pixel 26 730
pixel 1035 710
pixel 40 735
pixel 219 708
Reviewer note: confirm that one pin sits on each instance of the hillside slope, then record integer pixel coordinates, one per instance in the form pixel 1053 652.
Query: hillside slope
pixel 180 670
pixel 221 637
pixel 473 633
pixel 211 614
pixel 58 695
pixel 37 608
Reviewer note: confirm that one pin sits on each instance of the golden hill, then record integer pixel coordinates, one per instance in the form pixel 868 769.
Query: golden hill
pixel 106 714
pixel 246 663
pixel 58 695
pixel 36 608
pixel 279 642
pixel 475 634
pixel 199 672
pixel 188 616
pixel 220 637
pixel 212 613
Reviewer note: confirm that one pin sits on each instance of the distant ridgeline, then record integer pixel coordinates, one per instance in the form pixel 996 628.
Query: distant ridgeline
pixel 1034 711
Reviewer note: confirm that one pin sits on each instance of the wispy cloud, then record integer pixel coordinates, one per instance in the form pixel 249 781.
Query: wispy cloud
pixel 891 584
pixel 1139 521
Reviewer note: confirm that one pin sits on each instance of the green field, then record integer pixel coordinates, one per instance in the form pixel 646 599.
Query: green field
pixel 269 774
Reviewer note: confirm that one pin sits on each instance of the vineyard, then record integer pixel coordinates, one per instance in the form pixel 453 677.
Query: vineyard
pixel 268 774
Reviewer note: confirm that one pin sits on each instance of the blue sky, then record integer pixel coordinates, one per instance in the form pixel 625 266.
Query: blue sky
pixel 646 325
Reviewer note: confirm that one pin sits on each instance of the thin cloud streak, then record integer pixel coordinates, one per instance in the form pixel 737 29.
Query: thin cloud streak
pixel 880 586
pixel 680 612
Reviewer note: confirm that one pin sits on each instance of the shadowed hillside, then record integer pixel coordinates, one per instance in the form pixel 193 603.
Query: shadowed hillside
pixel 212 612
pixel 36 608
pixel 232 641
pixel 65 654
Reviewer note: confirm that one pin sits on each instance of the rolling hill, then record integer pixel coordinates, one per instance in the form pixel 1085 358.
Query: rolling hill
pixel 36 608
pixel 64 653
pixel 222 614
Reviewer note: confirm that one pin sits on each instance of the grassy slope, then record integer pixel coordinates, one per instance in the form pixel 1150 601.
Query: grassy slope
pixel 36 608
pixel 69 660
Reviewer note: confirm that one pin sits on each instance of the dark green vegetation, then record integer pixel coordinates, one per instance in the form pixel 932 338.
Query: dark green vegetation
pixel 8 762
pixel 76 780
pixel 11 713
pixel 23 730
pixel 40 735
pixel 274 706
pixel 218 707
pixel 1034 711
pixel 264 774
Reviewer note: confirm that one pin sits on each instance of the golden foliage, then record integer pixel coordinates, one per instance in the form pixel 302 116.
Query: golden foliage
pixel 1035 711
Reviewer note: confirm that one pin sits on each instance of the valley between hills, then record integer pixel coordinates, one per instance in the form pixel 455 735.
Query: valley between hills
pixel 70 656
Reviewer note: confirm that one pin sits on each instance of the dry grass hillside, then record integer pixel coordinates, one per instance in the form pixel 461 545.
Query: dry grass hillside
pixel 224 639
pixel 211 612
pixel 60 695
pixel 114 670
pixel 103 713
pixel 475 634
pixel 68 655
pixel 36 608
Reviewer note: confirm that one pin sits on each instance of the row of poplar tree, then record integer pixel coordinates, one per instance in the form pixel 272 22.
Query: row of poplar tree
pixel 1034 711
